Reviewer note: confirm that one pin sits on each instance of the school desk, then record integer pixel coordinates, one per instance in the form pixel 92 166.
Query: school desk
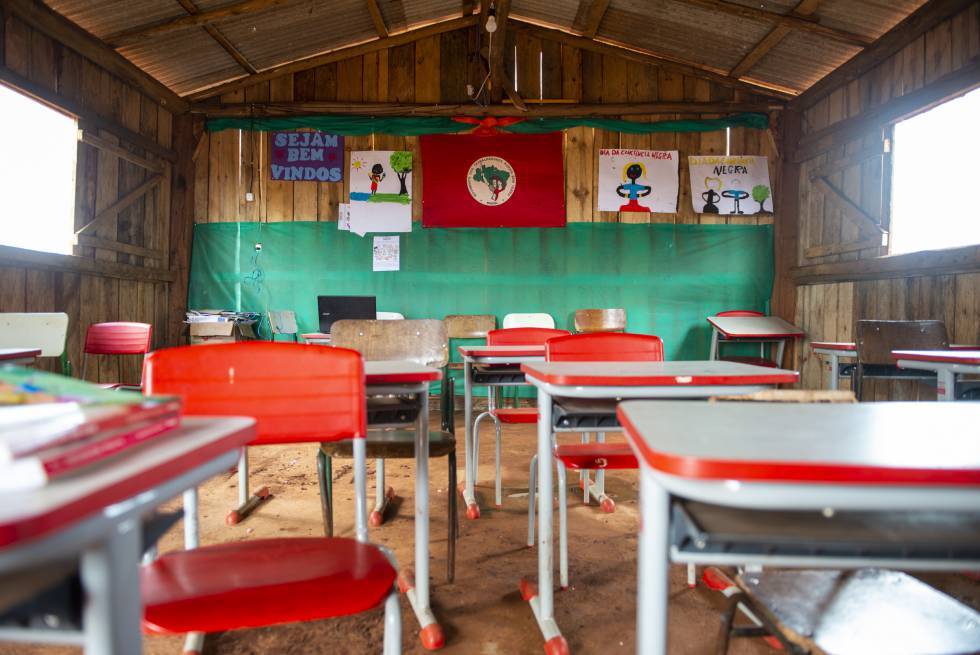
pixel 95 518
pixel 615 381
pixel 947 364
pixel 18 356
pixel 885 485
pixel 752 329
pixel 475 359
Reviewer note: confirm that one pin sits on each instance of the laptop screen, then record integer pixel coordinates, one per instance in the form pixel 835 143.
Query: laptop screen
pixel 338 308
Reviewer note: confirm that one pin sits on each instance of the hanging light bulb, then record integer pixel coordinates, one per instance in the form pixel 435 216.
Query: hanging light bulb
pixel 492 19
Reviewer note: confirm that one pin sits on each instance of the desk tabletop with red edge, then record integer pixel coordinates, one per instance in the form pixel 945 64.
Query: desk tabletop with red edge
pixel 502 351
pixel 657 374
pixel 7 354
pixel 968 357
pixel 843 346
pixel 755 327
pixel 866 443
pixel 399 372
pixel 26 515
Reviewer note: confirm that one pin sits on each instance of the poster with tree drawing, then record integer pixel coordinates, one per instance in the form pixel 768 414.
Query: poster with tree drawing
pixel 729 185
pixel 638 180
pixel 380 191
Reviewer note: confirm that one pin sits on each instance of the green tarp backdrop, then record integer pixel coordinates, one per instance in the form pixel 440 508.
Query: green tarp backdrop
pixel 669 278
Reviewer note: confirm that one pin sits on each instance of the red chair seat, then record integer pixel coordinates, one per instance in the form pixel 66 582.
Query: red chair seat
pixel 516 414
pixel 755 361
pixel 263 582
pixel 597 456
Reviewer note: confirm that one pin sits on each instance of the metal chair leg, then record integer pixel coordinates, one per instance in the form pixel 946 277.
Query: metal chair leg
pixel 324 476
pixel 532 486
pixel 453 518
pixel 562 524
pixel 498 477
pixel 725 629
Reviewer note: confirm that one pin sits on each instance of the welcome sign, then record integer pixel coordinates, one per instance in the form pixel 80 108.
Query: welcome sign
pixel 307 156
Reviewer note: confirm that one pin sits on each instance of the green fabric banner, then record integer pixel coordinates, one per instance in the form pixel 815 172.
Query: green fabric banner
pixel 669 278
pixel 418 125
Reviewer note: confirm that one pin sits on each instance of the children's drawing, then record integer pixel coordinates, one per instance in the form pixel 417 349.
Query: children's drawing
pixel 638 180
pixel 721 185
pixel 380 191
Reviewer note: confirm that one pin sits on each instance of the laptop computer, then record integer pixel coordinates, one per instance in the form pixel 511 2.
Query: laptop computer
pixel 338 308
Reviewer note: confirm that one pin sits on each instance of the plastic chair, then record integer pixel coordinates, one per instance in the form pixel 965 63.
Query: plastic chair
pixel 528 320
pixel 877 339
pixel 283 322
pixel 296 394
pixel 47 331
pixel 598 347
pixel 117 338
pixel 519 336
pixel 600 320
pixel 421 341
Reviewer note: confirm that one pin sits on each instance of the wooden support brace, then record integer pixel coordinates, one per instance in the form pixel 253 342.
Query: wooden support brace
pixel 840 248
pixel 113 210
pixel 868 226
pixel 89 138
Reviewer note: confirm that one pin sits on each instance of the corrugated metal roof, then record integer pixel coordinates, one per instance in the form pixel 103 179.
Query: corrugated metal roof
pixel 188 59
pixel 682 31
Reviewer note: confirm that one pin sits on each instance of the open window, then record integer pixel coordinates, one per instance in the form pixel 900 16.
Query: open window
pixel 935 188
pixel 38 146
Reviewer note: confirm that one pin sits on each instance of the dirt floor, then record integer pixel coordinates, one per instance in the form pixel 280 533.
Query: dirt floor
pixel 481 612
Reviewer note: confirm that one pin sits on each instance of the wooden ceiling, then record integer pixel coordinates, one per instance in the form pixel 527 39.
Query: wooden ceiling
pixel 198 48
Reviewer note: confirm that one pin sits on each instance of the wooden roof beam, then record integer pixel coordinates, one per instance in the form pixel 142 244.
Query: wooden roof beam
pixel 220 38
pixel 337 54
pixel 466 8
pixel 499 81
pixel 48 22
pixel 665 62
pixel 788 20
pixel 377 19
pixel 771 40
pixel 592 12
pixel 140 32
pixel 915 25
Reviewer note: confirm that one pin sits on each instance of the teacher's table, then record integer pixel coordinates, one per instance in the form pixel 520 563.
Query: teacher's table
pixel 18 356
pixel 492 366
pixel 947 364
pixel 752 329
pixel 616 381
pixel 409 378
pixel 890 485
pixel 95 518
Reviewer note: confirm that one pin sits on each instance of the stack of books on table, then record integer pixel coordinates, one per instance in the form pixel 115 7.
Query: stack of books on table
pixel 51 426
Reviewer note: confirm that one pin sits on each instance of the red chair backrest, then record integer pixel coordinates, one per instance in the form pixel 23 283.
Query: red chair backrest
pixel 296 392
pixel 118 338
pixel 740 312
pixel 523 336
pixel 605 347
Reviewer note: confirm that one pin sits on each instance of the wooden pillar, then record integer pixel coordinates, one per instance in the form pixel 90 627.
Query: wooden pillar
pixel 786 223
pixel 188 130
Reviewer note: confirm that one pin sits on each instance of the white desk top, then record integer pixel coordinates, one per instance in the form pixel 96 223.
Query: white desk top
pixel 968 357
pixel 394 372
pixel 755 327
pixel 919 444
pixel 30 514
pixel 689 373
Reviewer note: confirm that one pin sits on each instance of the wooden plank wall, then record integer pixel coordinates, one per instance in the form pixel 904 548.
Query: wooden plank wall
pixel 101 179
pixel 437 69
pixel 827 312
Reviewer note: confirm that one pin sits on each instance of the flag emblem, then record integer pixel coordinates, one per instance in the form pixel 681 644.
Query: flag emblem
pixel 491 181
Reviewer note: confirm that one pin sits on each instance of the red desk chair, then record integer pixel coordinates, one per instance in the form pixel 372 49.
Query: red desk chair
pixel 761 360
pixel 521 336
pixel 296 394
pixel 589 347
pixel 116 339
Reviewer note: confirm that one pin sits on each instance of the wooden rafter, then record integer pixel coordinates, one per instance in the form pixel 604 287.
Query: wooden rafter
pixel 466 8
pixel 337 54
pixel 592 12
pixel 499 80
pixel 922 20
pixel 62 30
pixel 662 60
pixel 789 20
pixel 270 109
pixel 219 37
pixel 771 40
pixel 140 32
pixel 377 18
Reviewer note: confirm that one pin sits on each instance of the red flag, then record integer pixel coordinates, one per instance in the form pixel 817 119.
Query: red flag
pixel 506 180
